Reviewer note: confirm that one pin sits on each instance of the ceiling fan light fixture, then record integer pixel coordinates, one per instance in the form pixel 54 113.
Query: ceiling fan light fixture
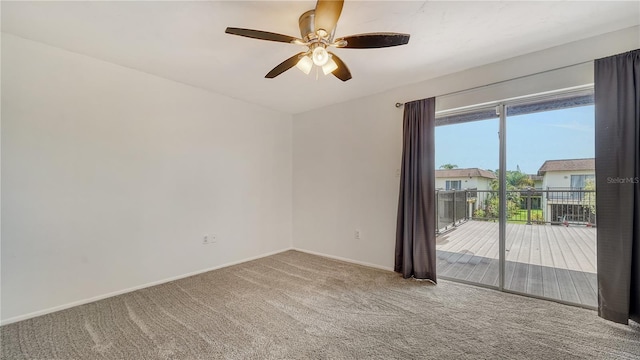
pixel 305 64
pixel 320 56
pixel 329 67
pixel 317 30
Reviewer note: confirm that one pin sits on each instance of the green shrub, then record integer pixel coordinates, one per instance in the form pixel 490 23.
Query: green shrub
pixel 513 208
pixel 537 218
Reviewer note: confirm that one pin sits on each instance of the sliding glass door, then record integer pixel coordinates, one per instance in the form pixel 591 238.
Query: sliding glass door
pixel 550 240
pixel 467 149
pixel 516 196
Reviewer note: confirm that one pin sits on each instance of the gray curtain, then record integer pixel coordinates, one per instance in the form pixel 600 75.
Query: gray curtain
pixel 617 99
pixel 415 233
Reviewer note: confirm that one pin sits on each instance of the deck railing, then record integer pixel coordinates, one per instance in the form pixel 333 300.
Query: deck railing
pixel 567 206
pixel 451 208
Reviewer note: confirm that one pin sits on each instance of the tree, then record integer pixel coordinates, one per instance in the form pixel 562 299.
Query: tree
pixel 516 180
pixel 589 199
pixel 448 166
pixel 519 180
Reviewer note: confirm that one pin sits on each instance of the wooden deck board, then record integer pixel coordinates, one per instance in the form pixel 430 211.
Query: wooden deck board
pixel 534 275
pixel 545 247
pixel 470 257
pixel 551 261
pixel 518 276
pixel 492 276
pixel 550 285
pixel 583 288
pixel 487 271
pixel 565 284
pixel 479 271
pixel 586 255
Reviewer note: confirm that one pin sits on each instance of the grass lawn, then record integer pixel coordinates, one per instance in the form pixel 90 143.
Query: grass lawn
pixel 521 216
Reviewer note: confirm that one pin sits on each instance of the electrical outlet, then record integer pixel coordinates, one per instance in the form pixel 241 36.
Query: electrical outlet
pixel 356 234
pixel 209 239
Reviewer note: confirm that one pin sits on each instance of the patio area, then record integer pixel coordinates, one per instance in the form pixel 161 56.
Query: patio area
pixel 553 261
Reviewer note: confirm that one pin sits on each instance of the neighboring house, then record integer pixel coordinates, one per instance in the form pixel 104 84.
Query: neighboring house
pixel 461 179
pixel 567 174
pixel 566 179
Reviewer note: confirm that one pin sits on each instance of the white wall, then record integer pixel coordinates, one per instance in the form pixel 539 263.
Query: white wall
pixel 474 182
pixel 346 156
pixel 562 178
pixel 483 184
pixel 345 178
pixel 111 177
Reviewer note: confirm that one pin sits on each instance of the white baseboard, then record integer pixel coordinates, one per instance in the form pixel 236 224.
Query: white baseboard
pixel 363 263
pixel 124 291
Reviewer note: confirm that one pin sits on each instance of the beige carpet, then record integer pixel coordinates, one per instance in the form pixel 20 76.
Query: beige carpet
pixel 299 306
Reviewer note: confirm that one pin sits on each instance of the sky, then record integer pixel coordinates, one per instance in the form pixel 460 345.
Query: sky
pixel 531 139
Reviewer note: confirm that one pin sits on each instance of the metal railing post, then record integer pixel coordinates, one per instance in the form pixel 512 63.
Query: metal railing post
pixel 529 207
pixel 454 208
pixel 466 205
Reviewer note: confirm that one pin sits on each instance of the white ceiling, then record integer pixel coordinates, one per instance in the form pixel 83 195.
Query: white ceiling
pixel 185 41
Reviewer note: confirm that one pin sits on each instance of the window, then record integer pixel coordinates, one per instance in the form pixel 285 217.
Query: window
pixel 579 181
pixel 453 185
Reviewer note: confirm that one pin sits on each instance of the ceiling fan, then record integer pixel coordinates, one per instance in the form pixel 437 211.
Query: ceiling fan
pixel 317 29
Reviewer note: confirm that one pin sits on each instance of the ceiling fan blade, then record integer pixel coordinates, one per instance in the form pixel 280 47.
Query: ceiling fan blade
pixel 261 35
pixel 342 72
pixel 327 14
pixel 284 66
pixel 373 40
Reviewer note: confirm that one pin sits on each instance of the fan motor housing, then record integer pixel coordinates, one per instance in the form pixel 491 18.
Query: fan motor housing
pixel 306 22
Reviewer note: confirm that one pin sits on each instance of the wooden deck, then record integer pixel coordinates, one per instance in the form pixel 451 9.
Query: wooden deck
pixel 545 260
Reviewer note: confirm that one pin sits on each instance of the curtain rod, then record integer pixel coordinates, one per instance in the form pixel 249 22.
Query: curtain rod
pixel 399 105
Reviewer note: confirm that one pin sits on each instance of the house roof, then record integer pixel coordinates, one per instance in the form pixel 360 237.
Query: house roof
pixel 567 165
pixel 459 173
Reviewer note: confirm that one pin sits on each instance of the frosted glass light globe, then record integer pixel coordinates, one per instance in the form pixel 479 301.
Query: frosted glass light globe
pixel 320 56
pixel 305 64
pixel 329 67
